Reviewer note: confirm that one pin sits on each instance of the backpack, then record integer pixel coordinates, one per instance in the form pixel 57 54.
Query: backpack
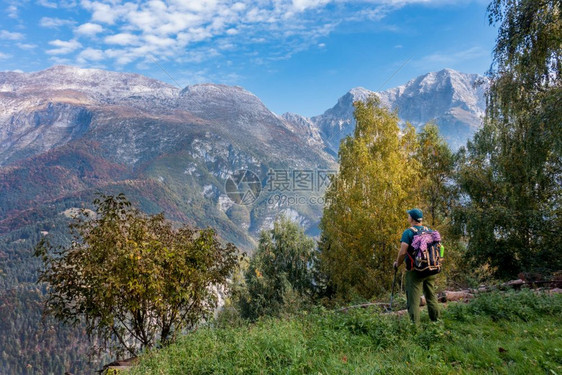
pixel 424 252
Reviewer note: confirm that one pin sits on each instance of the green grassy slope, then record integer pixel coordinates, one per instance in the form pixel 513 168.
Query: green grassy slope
pixel 516 333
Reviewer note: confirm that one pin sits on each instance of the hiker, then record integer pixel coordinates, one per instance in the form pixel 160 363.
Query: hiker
pixel 416 281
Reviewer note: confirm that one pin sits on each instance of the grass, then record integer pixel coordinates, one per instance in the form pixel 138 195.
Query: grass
pixel 513 333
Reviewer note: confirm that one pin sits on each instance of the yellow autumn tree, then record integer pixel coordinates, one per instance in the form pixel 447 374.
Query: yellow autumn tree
pixel 366 203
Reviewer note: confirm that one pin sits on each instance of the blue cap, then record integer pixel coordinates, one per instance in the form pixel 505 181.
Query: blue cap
pixel 416 214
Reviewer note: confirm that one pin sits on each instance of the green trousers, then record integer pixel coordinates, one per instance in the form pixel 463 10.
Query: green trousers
pixel 415 285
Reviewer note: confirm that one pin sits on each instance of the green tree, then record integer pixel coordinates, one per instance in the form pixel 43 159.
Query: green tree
pixel 366 203
pixel 134 280
pixel 439 198
pixel 437 189
pixel 511 172
pixel 280 276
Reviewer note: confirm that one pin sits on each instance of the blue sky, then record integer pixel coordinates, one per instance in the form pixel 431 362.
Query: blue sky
pixel 296 55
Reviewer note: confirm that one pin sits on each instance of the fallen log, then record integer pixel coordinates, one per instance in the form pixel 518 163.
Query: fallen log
pixel 460 295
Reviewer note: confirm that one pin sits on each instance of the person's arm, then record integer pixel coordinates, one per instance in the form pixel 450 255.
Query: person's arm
pixel 401 254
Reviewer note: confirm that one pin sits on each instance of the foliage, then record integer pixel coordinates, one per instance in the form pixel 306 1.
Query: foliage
pixel 30 345
pixel 511 173
pixel 361 341
pixel 280 276
pixel 438 192
pixel 439 198
pixel 365 204
pixel 133 279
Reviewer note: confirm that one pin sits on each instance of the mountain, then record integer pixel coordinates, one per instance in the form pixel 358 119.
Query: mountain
pixel 207 155
pixel 67 131
pixel 454 101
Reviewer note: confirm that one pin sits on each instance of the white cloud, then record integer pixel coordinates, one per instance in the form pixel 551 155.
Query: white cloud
pixel 9 35
pixel 12 11
pixel 27 46
pixel 90 54
pixel 54 22
pixel 57 4
pixel 446 59
pixel 122 39
pixel 195 30
pixel 107 13
pixel 88 29
pixel 47 4
pixel 176 27
pixel 63 47
pixel 301 5
pixel 4 56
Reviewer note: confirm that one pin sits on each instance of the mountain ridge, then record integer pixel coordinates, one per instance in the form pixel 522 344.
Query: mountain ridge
pixel 453 100
pixel 206 129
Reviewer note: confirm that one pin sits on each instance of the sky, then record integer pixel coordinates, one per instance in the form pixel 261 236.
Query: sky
pixel 297 56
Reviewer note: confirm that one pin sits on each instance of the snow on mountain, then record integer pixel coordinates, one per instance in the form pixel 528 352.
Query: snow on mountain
pixel 50 108
pixel 453 100
pixel 46 109
pixel 437 95
pixel 236 109
pixel 94 85
pixel 220 100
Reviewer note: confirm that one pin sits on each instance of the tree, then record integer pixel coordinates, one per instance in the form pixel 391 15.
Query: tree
pixel 280 275
pixel 134 280
pixel 511 172
pixel 438 191
pixel 366 203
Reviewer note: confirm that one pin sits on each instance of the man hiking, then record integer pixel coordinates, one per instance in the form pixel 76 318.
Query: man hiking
pixel 416 281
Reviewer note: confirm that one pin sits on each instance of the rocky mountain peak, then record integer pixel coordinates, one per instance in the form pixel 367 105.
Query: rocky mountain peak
pixel 100 86
pixel 219 94
pixel 454 100
pixel 217 100
pixel 358 93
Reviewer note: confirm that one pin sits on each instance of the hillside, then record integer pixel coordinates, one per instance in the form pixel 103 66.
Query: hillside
pixel 517 333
